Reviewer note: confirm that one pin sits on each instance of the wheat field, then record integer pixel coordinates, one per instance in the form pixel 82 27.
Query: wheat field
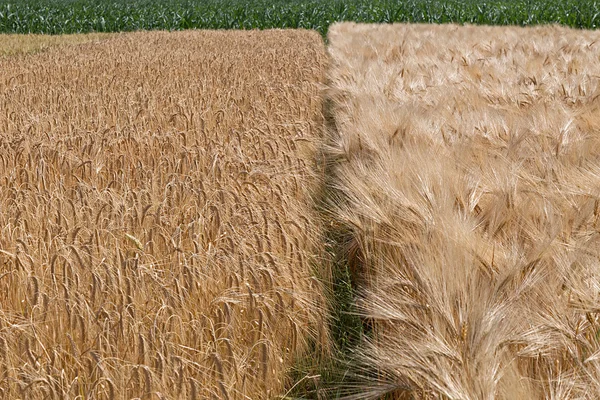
pixel 157 233
pixel 11 45
pixel 160 236
pixel 466 166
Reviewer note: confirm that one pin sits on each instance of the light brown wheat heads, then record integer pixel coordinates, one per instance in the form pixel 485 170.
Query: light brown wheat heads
pixel 467 166
pixel 156 229
pixel 14 44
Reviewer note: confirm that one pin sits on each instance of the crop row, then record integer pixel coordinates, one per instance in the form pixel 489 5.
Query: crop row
pixel 76 16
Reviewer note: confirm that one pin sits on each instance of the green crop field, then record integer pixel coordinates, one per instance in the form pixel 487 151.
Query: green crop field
pixel 75 16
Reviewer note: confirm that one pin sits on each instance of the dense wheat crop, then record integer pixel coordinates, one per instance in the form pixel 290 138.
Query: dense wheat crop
pixel 156 229
pixel 19 44
pixel 467 171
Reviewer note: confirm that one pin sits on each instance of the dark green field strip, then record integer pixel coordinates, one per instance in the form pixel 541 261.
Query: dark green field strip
pixel 75 16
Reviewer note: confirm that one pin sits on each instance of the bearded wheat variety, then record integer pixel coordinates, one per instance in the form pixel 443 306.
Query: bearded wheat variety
pixel 157 238
pixel 467 169
pixel 19 44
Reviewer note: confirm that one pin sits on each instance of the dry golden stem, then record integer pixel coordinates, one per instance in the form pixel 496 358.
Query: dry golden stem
pixel 467 160
pixel 146 184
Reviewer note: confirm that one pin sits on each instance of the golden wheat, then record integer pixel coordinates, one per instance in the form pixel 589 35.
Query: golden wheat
pixel 11 45
pixel 156 229
pixel 467 166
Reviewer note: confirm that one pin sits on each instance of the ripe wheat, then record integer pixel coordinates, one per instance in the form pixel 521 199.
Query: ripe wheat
pixel 157 237
pixel 11 45
pixel 467 167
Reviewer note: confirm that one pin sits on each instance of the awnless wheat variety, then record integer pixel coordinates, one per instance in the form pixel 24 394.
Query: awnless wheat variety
pixel 467 167
pixel 156 228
